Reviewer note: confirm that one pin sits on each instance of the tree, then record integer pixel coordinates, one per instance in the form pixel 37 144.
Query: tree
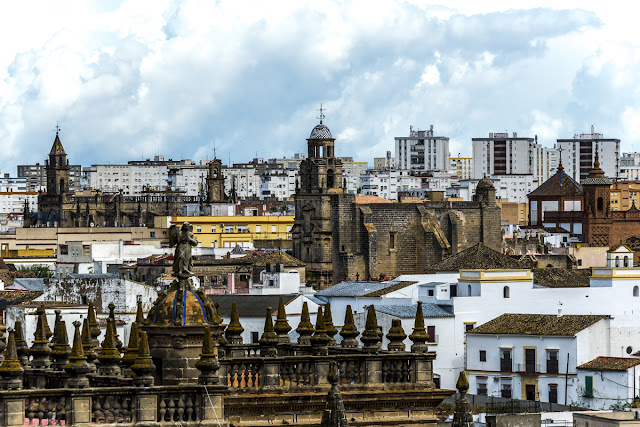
pixel 40 270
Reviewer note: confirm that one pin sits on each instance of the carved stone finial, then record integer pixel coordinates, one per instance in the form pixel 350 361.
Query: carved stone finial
pixel 371 337
pixel 269 339
pixel 131 352
pixel 462 416
pixel 349 332
pixel 419 335
pixel 305 327
pixel 334 414
pixel 40 349
pixel 112 318
pixel 47 330
pixel 143 366
pixel 282 327
pixel 109 356
pixel 61 349
pixel 320 339
pixel 208 364
pixel 11 369
pixel 329 327
pixel 139 314
pixel 88 347
pixel 234 330
pixel 77 367
pixel 94 328
pixel 396 336
pixel 21 345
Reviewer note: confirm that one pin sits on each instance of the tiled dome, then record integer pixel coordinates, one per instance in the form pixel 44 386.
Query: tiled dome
pixel 320 132
pixel 195 311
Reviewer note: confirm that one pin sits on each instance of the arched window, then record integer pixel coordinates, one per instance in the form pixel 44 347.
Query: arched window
pixel 62 186
pixel 469 290
pixel 626 261
pixel 636 291
pixel 600 203
pixel 330 178
pixel 617 261
pixel 505 292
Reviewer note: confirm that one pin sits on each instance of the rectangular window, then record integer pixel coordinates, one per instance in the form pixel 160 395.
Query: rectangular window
pixel 505 390
pixel 213 228
pixel 431 331
pixel 530 360
pixel 483 355
pixel 243 229
pixel 469 326
pixel 273 229
pixel 64 250
pixel 505 360
pixel 255 337
pixel 482 387
pixel 588 386
pixel 198 229
pixel 553 393
pixel 552 361
pixel 258 228
pixel 392 240
pixel 228 229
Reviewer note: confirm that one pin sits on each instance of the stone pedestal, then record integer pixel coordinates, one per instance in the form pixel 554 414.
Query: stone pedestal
pixel 12 412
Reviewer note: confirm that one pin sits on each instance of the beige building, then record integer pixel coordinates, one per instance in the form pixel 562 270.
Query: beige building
pixel 461 166
pixel 623 193
pixel 513 213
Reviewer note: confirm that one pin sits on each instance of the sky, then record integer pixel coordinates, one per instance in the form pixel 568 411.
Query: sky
pixel 127 80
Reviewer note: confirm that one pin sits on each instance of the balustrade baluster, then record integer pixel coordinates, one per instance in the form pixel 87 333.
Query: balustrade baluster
pixel 30 410
pixel 405 371
pixel 40 412
pixel 162 410
pixel 48 405
pixel 97 410
pixel 171 408
pixel 117 417
pixel 125 409
pixel 61 410
pixel 189 408
pixel 181 407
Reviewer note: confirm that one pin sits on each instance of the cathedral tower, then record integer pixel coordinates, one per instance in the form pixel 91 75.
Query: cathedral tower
pixel 57 169
pixel 215 182
pixel 597 206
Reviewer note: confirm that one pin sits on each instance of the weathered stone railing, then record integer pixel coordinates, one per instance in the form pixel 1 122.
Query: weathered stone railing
pixel 384 370
pixel 167 405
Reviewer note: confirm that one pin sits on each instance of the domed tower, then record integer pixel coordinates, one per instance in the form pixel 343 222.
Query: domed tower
pixel 321 171
pixel 321 210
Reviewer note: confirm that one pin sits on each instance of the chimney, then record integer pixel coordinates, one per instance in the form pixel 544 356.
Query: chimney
pixel 231 283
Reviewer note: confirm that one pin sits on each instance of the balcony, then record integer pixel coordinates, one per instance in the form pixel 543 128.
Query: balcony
pixel 506 365
pixel 552 367
pixel 529 368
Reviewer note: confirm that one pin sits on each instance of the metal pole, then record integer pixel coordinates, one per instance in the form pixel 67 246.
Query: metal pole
pixel 566 380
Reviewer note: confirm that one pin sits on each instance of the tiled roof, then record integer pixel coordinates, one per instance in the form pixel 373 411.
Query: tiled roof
pixel 8 298
pixel 3 265
pixel 610 364
pixel 371 199
pixel 9 276
pixel 559 184
pixel 30 284
pixel 477 256
pixel 362 289
pixel 279 257
pixel 537 324
pixel 556 277
pixel 596 181
pixel 409 311
pixel 249 305
pixel 618 246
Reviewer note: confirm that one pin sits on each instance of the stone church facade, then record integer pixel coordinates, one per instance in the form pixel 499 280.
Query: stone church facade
pixel 60 207
pixel 340 238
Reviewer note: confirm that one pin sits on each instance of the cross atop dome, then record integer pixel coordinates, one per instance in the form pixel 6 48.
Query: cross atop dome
pixel 321 116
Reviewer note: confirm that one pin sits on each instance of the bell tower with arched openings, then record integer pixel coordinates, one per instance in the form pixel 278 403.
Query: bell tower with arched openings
pixel 57 168
pixel 597 206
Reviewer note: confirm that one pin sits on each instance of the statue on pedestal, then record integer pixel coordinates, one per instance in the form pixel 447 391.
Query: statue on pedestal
pixel 184 240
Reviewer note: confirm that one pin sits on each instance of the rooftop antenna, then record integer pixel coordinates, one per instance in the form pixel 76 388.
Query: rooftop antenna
pixel 214 148
pixel 321 117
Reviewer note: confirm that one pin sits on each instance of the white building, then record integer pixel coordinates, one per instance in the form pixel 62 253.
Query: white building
pixel 278 183
pixel 243 179
pixel 382 163
pixel 462 166
pixel 192 179
pixel 606 381
pixel 422 150
pixel 515 187
pixel 131 179
pixel 526 356
pixel 630 167
pixel 501 154
pixel 579 152
pixel 388 183
pixel 14 194
pixel 351 172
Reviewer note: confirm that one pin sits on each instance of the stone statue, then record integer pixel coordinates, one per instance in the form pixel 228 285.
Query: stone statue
pixel 182 262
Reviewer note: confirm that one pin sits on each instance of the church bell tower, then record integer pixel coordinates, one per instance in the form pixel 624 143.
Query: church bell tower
pixel 57 169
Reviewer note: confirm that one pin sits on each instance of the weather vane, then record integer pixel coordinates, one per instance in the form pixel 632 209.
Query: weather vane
pixel 321 117
pixel 57 129
pixel 560 149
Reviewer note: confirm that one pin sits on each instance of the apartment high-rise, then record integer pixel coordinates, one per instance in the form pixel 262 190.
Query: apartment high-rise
pixel 579 152
pixel 422 150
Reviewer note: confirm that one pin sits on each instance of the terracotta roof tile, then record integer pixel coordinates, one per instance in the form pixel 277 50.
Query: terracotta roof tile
pixel 279 257
pixel 371 199
pixel 610 364
pixel 537 324
pixel 477 256
pixel 559 184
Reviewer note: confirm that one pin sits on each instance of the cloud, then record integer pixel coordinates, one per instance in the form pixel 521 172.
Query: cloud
pixel 133 80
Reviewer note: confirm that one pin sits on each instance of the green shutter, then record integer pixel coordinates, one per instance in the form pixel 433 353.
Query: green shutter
pixel 588 386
